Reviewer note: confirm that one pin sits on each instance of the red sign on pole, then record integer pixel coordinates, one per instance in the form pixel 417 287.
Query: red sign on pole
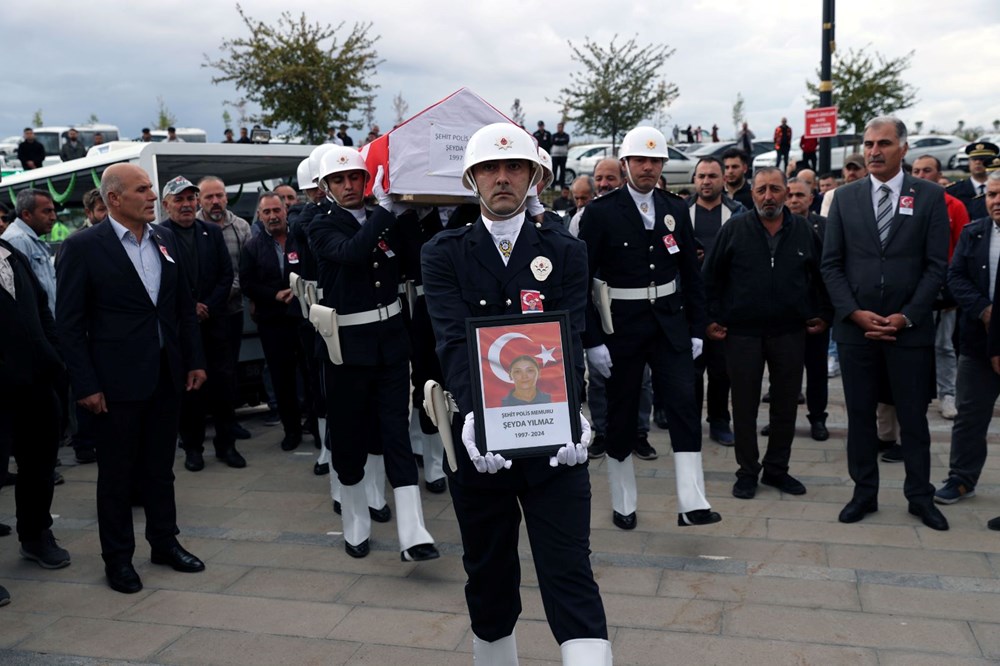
pixel 821 122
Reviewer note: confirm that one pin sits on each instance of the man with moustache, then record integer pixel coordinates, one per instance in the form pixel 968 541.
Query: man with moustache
pixel 971 191
pixel 884 259
pixel 209 277
pixel 765 294
pixel 640 244
pixel 127 327
pixel 497 254
pixel 267 261
pixel 710 210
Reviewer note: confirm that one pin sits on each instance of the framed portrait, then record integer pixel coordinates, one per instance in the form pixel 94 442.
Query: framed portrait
pixel 524 394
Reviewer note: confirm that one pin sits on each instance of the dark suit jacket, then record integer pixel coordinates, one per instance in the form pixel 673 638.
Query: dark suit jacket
pixel 967 192
pixel 107 324
pixel 905 277
pixel 262 277
pixel 215 267
pixel 357 274
pixel 623 253
pixel 27 332
pixel 969 284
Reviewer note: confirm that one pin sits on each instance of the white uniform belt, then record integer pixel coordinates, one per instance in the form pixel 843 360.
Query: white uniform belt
pixel 369 316
pixel 652 292
pixel 418 290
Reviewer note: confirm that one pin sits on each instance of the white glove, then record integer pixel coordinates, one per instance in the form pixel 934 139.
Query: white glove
pixel 534 206
pixel 574 454
pixel 381 195
pixel 697 346
pixel 491 463
pixel 600 358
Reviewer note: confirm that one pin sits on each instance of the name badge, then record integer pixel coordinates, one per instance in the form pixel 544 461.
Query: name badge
pixel 166 255
pixel 531 301
pixel 671 244
pixel 906 205
pixel 293 257
pixel 382 245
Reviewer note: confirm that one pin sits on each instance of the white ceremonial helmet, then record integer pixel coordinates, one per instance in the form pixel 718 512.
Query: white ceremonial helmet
pixel 546 161
pixel 644 142
pixel 316 156
pixel 339 159
pixel 499 141
pixel 304 176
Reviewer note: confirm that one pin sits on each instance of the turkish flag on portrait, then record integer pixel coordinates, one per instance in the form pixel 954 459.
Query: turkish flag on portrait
pixel 500 345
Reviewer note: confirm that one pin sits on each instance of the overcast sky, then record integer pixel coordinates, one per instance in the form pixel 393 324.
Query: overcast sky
pixel 114 58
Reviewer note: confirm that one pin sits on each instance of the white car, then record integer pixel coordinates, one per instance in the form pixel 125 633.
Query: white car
pixel 941 146
pixel 581 161
pixel 841 146
pixel 8 145
pixel 960 160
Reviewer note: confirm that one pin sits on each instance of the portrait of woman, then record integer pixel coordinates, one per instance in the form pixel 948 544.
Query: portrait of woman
pixel 524 372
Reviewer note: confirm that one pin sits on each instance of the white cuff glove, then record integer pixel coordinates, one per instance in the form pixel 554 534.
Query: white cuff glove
pixel 697 346
pixel 600 358
pixel 491 463
pixel 534 206
pixel 383 198
pixel 574 454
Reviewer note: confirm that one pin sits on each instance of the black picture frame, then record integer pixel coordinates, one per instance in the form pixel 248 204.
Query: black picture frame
pixel 523 429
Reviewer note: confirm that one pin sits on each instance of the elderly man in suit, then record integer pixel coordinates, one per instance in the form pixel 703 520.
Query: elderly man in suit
pixel 129 335
pixel 884 261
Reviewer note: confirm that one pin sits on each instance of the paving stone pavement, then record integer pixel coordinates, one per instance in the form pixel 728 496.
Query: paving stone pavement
pixel 778 581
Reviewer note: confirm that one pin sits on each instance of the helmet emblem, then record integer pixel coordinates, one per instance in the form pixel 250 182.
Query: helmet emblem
pixel 342 159
pixel 503 143
pixel 651 144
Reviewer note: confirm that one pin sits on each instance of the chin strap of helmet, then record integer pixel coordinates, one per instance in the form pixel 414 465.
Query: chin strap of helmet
pixel 533 183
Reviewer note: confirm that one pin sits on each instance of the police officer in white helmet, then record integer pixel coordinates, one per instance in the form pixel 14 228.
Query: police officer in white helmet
pixel 367 373
pixel 649 308
pixel 483 269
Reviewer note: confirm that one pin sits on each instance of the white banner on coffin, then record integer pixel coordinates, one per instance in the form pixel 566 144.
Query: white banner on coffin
pixel 426 152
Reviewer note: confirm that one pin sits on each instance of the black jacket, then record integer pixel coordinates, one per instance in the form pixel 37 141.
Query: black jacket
pixel 27 332
pixel 969 284
pixel 32 151
pixel 262 277
pixel 215 267
pixel 752 293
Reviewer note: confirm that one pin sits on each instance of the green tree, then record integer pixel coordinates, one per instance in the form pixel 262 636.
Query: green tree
pixel 739 112
pixel 400 108
pixel 866 84
pixel 164 118
pixel 617 87
pixel 36 118
pixel 300 74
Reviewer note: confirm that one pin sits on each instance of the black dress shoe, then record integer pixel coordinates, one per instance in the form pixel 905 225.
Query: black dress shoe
pixel 232 458
pixel 420 553
pixel 660 418
pixel 624 522
pixel 785 483
pixel 85 456
pixel 856 510
pixel 194 461
pixel 929 514
pixel 818 431
pixel 994 523
pixel 894 454
pixel 359 551
pixel 766 431
pixel 239 432
pixel 745 487
pixel 123 578
pixel 320 470
pixel 291 441
pixel 178 559
pixel 437 487
pixel 698 517
pixel 380 515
